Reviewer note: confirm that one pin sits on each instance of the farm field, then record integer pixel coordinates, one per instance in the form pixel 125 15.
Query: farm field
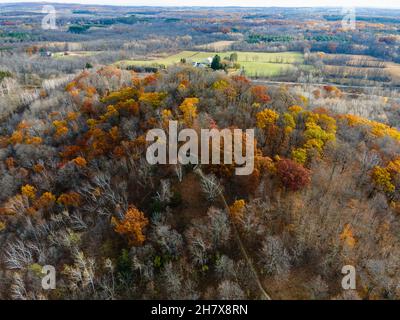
pixel 358 69
pixel 254 63
pixel 394 69
pixel 74 54
pixel 216 46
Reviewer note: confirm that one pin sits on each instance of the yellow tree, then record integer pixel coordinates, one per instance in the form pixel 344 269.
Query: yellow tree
pixel 237 210
pixel 29 191
pixel 46 201
pixel 189 110
pixel 382 179
pixel 347 236
pixel 266 118
pixel 61 128
pixel 153 98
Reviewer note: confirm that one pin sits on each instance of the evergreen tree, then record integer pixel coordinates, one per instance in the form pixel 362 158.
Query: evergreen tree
pixel 216 63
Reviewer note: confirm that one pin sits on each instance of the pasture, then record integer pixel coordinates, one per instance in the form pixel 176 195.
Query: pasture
pixel 261 64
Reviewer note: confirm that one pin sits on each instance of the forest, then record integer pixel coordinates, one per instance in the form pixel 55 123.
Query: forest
pixel 78 194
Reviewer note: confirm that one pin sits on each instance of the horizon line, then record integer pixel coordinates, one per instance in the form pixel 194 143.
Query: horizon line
pixel 191 6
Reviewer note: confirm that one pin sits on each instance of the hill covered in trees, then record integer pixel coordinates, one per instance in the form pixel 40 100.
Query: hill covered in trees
pixel 77 193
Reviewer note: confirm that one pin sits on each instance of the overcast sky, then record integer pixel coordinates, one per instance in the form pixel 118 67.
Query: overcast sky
pixel 243 3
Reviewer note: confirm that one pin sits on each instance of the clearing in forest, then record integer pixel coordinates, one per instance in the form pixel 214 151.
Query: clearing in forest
pixel 254 63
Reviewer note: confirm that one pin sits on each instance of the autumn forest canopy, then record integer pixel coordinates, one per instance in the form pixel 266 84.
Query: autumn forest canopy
pixel 76 181
pixel 77 192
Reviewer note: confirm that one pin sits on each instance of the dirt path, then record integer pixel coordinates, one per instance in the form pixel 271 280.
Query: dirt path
pixel 265 295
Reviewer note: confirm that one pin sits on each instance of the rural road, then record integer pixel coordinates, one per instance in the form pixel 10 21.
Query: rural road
pixel 315 84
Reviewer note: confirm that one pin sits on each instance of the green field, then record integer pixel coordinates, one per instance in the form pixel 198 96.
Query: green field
pixel 254 63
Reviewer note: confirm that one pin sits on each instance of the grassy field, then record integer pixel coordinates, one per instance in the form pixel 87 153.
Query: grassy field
pixel 254 63
pixel 216 46
pixel 73 54
pixel 394 70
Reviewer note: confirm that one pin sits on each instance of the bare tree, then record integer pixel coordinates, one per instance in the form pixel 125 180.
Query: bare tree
pixel 274 257
pixel 211 187
pixel 229 290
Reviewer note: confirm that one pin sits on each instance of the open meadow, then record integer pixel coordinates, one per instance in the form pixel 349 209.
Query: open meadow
pixel 254 64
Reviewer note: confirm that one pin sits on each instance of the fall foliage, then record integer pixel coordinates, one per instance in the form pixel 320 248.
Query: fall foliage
pixel 237 209
pixel 75 177
pixel 132 226
pixel 292 175
pixel 189 110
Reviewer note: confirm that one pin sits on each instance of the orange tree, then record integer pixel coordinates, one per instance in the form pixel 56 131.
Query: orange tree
pixel 132 225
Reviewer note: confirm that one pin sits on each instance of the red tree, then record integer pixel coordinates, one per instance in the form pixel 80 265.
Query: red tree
pixel 260 94
pixel 293 176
